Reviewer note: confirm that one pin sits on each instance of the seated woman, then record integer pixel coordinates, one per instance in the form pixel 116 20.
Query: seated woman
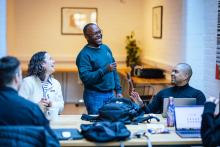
pixel 39 86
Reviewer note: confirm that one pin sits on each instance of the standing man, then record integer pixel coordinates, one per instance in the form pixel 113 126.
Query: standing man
pixel 14 109
pixel 97 70
pixel 180 77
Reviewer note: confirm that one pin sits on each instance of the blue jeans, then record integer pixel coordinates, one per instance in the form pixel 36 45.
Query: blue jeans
pixel 94 100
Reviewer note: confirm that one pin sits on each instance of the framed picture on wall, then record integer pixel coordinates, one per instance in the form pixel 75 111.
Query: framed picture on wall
pixel 73 19
pixel 157 20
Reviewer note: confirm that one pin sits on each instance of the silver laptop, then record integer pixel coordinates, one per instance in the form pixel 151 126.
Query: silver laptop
pixel 188 121
pixel 177 102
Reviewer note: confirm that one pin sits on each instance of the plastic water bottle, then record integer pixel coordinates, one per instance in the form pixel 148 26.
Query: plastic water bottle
pixel 170 113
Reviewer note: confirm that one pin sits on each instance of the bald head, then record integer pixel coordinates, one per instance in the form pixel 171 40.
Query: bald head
pixel 181 74
pixel 186 68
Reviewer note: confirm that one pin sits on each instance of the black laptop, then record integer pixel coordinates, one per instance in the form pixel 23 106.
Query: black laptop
pixel 188 121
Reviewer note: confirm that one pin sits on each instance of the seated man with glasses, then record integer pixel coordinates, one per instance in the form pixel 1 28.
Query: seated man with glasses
pixel 97 70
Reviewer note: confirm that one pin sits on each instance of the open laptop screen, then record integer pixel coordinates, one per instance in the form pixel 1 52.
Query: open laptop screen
pixel 178 102
pixel 188 117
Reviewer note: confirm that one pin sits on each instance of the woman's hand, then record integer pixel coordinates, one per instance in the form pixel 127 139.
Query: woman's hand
pixel 45 102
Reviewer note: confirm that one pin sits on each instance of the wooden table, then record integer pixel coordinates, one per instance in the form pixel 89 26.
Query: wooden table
pixel 74 121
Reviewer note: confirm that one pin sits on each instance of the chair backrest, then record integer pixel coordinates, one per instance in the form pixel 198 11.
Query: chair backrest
pixel 130 83
pixel 31 136
pixel 146 92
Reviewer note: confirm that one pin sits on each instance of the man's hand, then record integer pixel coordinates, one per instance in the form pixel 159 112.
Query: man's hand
pixel 136 98
pixel 119 95
pixel 213 100
pixel 112 67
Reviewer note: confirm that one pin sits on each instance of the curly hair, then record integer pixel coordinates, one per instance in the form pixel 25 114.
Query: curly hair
pixel 35 65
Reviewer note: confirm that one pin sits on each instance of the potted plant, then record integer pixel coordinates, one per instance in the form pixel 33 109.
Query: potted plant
pixel 133 51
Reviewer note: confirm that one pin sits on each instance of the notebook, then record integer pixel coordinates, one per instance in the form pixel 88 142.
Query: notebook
pixel 177 102
pixel 188 121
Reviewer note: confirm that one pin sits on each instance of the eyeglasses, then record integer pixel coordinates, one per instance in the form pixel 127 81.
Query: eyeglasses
pixel 95 33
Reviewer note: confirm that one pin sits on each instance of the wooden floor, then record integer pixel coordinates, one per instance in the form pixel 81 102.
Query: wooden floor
pixel 71 108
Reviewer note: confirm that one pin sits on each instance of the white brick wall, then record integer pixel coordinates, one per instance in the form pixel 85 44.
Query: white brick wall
pixel 189 35
pixel 194 45
pixel 211 85
pixel 201 44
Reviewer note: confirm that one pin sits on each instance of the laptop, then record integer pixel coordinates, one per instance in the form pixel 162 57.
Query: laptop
pixel 188 121
pixel 177 102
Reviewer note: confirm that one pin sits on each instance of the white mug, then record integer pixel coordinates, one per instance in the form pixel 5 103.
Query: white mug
pixel 52 113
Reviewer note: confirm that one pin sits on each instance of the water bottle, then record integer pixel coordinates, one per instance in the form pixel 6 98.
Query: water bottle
pixel 170 113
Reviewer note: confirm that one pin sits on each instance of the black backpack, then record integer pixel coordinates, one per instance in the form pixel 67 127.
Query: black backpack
pixel 105 131
pixel 119 109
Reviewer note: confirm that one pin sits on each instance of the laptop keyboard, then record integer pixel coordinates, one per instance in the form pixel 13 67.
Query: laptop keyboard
pixel 189 134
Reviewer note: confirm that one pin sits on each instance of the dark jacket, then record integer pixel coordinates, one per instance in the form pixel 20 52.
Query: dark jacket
pixel 210 128
pixel 26 136
pixel 17 111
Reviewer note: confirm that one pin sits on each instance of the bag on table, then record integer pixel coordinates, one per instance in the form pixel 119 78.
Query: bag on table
pixel 119 109
pixel 105 131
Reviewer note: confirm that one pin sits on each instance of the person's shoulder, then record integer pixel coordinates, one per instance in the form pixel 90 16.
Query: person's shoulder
pixel 25 102
pixel 83 52
pixel 55 81
pixel 105 46
pixel 195 89
pixel 166 89
pixel 30 80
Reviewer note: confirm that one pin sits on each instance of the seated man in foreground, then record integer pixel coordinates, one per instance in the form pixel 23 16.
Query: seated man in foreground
pixel 14 109
pixel 180 77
